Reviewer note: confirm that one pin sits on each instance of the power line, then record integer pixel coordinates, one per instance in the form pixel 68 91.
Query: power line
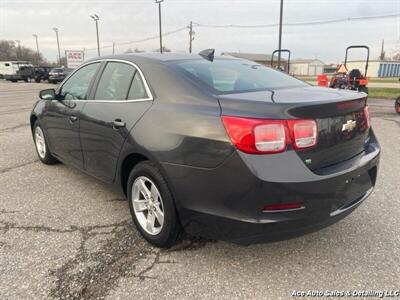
pixel 288 24
pixel 317 22
pixel 141 40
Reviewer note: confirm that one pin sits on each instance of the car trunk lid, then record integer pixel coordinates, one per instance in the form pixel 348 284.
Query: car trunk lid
pixel 342 125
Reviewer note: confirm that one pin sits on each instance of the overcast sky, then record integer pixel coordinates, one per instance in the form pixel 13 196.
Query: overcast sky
pixel 129 20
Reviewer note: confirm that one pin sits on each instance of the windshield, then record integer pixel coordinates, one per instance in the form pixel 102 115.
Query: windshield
pixel 230 76
pixel 56 71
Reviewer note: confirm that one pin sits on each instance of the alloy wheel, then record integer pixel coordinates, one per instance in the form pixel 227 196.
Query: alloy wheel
pixel 147 205
pixel 40 142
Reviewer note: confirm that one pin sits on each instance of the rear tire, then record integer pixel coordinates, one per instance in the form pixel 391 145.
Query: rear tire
pixel 152 206
pixel 41 146
pixel 397 105
pixel 363 89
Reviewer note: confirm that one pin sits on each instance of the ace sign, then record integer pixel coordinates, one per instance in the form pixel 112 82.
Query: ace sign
pixel 74 58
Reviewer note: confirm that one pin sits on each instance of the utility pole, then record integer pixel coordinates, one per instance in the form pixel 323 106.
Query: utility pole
pixel 113 48
pixel 18 52
pixel 159 23
pixel 382 56
pixel 280 34
pixel 191 36
pixel 96 20
pixel 37 47
pixel 58 45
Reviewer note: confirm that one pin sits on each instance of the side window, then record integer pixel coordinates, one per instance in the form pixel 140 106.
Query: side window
pixel 76 87
pixel 137 90
pixel 115 81
pixel 7 64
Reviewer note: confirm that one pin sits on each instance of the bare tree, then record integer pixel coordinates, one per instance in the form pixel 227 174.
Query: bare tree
pixel 10 51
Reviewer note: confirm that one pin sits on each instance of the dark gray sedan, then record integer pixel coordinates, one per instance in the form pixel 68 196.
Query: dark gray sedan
pixel 218 147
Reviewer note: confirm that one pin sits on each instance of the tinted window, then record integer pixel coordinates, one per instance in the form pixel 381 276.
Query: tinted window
pixel 56 70
pixel 137 90
pixel 7 65
pixel 115 82
pixel 238 75
pixel 76 87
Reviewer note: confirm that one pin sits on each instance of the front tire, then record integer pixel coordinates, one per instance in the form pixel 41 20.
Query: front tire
pixel 41 146
pixel 152 206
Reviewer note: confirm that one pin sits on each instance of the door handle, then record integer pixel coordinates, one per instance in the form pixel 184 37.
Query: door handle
pixel 72 119
pixel 117 124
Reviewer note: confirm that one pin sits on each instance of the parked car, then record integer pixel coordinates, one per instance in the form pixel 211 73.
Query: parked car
pixel 58 74
pixel 218 147
pixel 397 105
pixel 41 73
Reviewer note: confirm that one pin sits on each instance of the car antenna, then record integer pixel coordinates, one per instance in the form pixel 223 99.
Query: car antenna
pixel 207 54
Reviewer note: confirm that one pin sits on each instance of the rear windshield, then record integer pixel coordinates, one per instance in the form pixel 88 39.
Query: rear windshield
pixel 230 76
pixel 56 70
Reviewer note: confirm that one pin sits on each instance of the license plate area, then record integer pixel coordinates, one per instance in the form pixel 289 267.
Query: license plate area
pixel 352 187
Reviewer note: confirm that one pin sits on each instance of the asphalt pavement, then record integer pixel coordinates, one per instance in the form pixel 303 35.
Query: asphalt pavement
pixel 65 235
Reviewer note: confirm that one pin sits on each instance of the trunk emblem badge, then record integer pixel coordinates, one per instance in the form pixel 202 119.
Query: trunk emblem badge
pixel 349 125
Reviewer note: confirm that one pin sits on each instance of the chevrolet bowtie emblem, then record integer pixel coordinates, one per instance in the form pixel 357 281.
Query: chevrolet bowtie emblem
pixel 349 126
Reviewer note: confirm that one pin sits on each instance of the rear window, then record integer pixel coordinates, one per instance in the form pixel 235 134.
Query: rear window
pixel 230 76
pixel 56 70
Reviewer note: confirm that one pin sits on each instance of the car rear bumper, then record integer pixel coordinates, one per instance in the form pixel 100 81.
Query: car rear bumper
pixel 56 78
pixel 226 202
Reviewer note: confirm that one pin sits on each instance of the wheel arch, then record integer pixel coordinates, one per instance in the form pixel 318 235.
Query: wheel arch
pixel 128 163
pixel 33 118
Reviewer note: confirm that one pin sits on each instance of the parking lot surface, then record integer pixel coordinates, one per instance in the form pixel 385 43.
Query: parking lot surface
pixel 65 235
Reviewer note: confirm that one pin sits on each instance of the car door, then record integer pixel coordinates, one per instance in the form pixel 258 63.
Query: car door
pixel 62 115
pixel 120 98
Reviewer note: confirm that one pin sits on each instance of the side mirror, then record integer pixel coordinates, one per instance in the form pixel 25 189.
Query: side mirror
pixel 49 94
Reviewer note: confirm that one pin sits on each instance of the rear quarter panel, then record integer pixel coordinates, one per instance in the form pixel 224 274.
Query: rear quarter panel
pixel 183 126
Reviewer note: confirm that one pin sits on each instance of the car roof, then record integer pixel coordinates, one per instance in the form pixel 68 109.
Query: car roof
pixel 158 57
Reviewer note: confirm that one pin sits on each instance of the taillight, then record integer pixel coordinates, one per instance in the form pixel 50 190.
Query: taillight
pixel 367 116
pixel 261 136
pixel 304 133
pixel 257 135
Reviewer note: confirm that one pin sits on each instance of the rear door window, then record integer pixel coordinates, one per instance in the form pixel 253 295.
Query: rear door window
pixel 115 81
pixel 137 90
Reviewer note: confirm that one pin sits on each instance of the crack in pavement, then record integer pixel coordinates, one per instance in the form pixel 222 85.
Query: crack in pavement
pixel 191 243
pixel 14 127
pixel 8 169
pixel 14 111
pixel 391 120
pixel 102 269
pixel 117 200
pixel 96 268
pixel 93 273
pixel 156 261
pixel 4 211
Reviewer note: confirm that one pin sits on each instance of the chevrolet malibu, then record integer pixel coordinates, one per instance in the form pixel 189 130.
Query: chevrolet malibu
pixel 218 147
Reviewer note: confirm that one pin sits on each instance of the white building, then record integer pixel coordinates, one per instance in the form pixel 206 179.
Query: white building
pixel 376 68
pixel 306 67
